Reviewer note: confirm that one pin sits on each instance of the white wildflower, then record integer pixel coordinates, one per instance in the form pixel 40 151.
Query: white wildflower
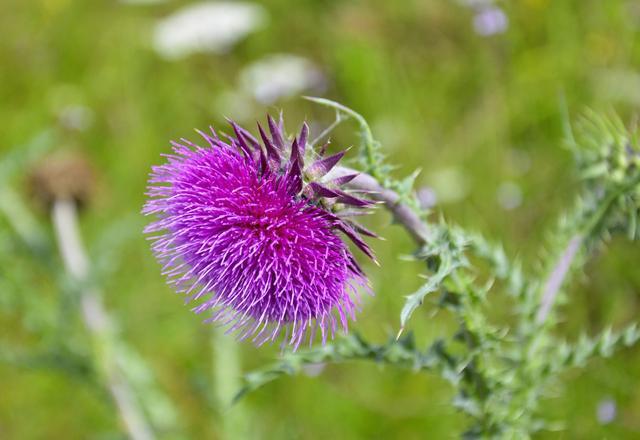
pixel 206 27
pixel 280 76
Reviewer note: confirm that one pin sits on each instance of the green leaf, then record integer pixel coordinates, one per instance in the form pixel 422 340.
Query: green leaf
pixel 432 285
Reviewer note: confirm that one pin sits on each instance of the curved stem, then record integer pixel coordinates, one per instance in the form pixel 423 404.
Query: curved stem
pixel 366 134
pixel 402 213
pixel 327 130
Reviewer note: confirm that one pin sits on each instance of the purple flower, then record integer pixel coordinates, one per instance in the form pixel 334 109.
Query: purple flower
pixel 252 235
pixel 606 411
pixel 490 21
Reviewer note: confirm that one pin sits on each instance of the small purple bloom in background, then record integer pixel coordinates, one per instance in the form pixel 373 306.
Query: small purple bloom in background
pixel 606 411
pixel 251 234
pixel 427 197
pixel 490 20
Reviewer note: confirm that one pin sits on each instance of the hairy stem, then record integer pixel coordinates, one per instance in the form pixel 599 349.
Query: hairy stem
pixel 65 221
pixel 350 348
pixel 554 282
pixel 560 270
pixel 419 230
pixel 402 213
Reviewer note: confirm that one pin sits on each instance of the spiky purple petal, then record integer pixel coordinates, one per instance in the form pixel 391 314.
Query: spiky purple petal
pixel 323 166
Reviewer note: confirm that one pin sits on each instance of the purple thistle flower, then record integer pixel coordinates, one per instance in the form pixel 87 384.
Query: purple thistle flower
pixel 253 235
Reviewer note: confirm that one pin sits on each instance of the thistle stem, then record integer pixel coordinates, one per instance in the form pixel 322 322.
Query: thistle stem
pixel 65 222
pixel 226 365
pixel 327 130
pixel 402 213
pixel 560 270
pixel 370 159
pixel 554 282
pixel 419 230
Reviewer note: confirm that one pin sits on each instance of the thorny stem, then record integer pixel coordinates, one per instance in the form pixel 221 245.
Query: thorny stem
pixel 403 213
pixel 65 221
pixel 560 270
pixel 419 230
pixel 552 286
pixel 354 348
pixel 370 181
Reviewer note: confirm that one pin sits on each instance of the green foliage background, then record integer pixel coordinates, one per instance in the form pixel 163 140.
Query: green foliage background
pixel 437 96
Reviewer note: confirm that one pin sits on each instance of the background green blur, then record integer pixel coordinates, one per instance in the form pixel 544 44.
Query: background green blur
pixel 481 115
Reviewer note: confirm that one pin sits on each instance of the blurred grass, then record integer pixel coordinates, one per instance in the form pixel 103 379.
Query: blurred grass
pixel 488 110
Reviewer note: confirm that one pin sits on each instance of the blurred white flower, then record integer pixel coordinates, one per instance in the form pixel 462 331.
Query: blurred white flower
pixel 449 184
pixel 280 76
pixel 313 370
pixel 76 117
pixel 66 102
pixel 142 2
pixel 477 3
pixel 206 27
pixel 509 196
pixel 490 21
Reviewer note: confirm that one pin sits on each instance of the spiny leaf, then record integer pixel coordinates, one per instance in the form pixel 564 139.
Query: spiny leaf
pixel 433 284
pixel 351 347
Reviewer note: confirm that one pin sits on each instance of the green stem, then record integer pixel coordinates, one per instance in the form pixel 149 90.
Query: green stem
pixel 595 221
pixel 22 221
pixel 226 365
pixel 371 162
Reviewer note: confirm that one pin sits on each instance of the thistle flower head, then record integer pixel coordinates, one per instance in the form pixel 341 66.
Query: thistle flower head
pixel 253 235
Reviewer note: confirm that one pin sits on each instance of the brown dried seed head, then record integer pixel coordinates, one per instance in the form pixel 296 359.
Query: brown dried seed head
pixel 65 176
